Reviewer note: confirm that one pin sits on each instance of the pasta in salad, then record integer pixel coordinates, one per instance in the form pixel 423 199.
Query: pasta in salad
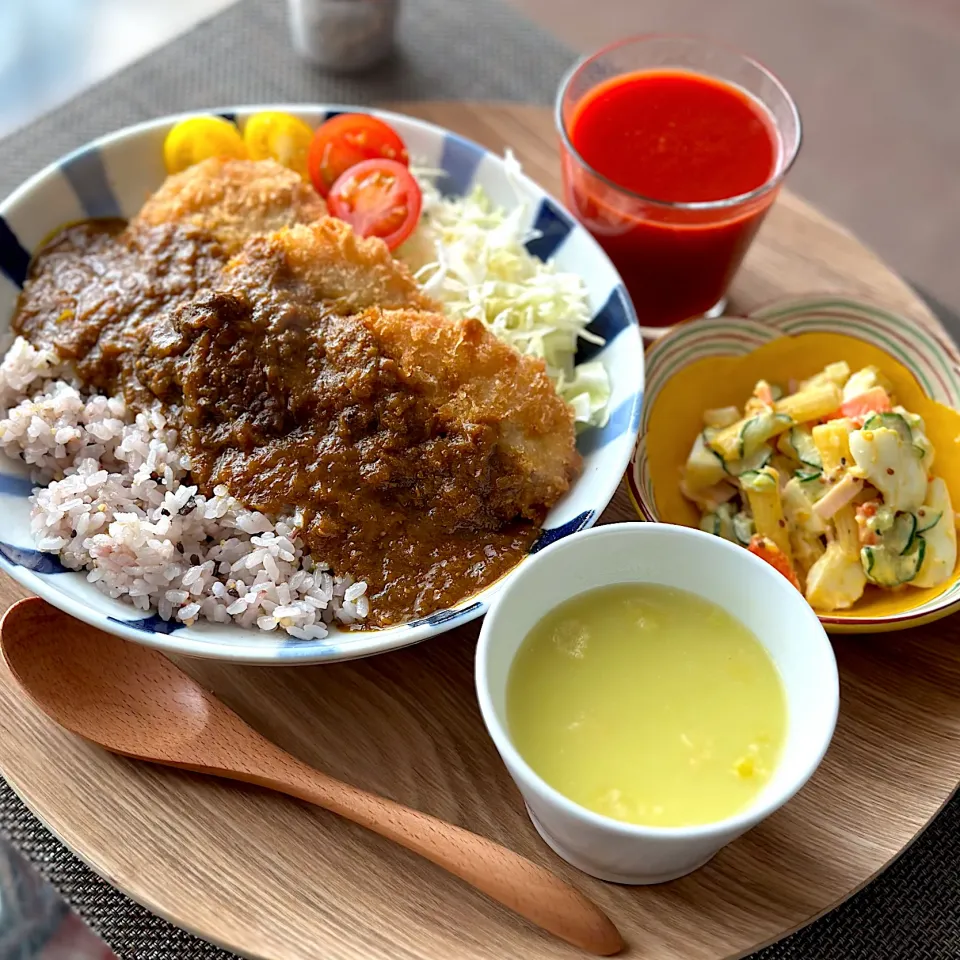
pixel 831 483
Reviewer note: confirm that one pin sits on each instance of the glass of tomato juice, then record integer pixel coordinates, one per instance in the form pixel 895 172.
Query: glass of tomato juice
pixel 673 149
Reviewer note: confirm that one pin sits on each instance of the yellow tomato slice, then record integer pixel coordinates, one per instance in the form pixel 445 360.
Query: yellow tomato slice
pixel 199 138
pixel 278 136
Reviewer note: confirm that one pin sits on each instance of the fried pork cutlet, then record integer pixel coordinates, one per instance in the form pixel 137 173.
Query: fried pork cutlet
pixel 306 370
pixel 468 376
pixel 326 262
pixel 233 200
pixel 472 378
pixel 412 409
pixel 421 452
pixel 264 362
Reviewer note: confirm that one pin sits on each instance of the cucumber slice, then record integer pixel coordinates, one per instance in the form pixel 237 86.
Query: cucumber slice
pixel 874 562
pixel 710 523
pixel 887 569
pixel 719 522
pixel 927 520
pixel 812 483
pixel 786 447
pixel 899 538
pixel 725 513
pixel 759 429
pixel 909 563
pixel 757 480
pixel 757 461
pixel 882 521
pixel 892 421
pixel 802 441
pixel 914 421
pixel 743 528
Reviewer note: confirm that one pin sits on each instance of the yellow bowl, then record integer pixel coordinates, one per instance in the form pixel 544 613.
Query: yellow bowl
pixel 715 363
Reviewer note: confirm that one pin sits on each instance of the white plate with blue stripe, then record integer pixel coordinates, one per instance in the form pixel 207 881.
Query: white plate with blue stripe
pixel 112 176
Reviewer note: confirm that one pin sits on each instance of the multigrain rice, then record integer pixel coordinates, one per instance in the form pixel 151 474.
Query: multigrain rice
pixel 114 498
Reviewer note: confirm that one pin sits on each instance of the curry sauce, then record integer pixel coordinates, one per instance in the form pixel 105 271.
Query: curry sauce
pixel 424 468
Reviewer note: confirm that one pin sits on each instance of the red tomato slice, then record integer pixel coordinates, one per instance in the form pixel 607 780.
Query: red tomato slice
pixel 378 198
pixel 346 140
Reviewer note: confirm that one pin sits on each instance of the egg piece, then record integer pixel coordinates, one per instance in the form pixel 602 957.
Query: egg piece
pixel 836 581
pixel 891 465
pixel 940 558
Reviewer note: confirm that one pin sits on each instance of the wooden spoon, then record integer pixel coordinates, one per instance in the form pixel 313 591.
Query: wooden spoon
pixel 132 700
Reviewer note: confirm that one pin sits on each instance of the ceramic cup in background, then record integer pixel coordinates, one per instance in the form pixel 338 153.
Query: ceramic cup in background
pixel 344 36
pixel 676 258
pixel 719 571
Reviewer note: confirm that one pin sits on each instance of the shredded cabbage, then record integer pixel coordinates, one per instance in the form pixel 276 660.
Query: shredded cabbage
pixel 470 255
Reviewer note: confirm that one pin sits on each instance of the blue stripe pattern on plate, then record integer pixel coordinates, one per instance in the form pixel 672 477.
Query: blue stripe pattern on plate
pixel 14 259
pixel 609 323
pixel 625 417
pixel 32 559
pixel 229 116
pixel 460 160
pixel 88 177
pixel 444 616
pixel 548 537
pixel 553 226
pixel 321 649
pixel 15 486
pixel 154 624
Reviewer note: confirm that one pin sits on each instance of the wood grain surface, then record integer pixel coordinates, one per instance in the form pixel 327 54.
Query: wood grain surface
pixel 132 700
pixel 268 877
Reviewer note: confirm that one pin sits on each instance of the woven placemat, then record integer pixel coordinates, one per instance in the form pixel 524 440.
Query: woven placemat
pixel 911 912
pixel 447 50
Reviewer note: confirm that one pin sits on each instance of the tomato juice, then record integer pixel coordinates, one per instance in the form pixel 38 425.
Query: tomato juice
pixel 672 171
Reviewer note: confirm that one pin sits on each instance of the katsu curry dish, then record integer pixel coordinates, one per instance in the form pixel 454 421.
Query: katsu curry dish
pixel 237 407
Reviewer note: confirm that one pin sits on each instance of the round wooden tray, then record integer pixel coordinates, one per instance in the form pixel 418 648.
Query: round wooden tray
pixel 267 877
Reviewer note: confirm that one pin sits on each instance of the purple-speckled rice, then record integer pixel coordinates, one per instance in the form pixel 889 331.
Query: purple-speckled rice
pixel 113 497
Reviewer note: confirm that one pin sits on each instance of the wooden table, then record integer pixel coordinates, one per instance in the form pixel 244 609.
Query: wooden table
pixel 269 878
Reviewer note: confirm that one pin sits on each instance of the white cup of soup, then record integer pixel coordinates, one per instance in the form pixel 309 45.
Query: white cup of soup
pixel 655 692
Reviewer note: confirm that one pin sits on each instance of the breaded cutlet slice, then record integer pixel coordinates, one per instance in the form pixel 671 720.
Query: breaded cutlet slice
pixel 326 261
pixel 473 378
pixel 234 200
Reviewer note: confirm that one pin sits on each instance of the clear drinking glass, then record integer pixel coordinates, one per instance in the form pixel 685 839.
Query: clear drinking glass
pixel 677 259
